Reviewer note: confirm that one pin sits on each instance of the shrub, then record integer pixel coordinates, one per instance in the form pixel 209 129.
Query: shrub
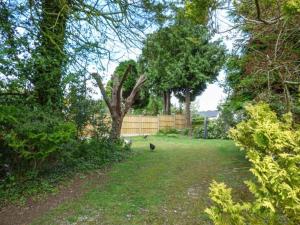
pixel 197 121
pixel 94 153
pixel 185 131
pixel 215 130
pixel 168 131
pixel 29 136
pixel 39 148
pixel 272 146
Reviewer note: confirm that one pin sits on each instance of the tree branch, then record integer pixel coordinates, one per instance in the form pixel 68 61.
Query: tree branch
pixel 292 82
pixel 258 12
pixel 130 100
pixel 98 79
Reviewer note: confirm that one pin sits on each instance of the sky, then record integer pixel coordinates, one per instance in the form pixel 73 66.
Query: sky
pixel 214 94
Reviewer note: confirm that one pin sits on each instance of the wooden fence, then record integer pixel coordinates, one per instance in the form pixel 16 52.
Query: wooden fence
pixel 134 125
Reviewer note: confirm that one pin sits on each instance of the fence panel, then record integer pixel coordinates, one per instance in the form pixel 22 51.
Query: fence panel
pixel 145 125
pixel 166 121
pixel 132 125
pixel 180 122
pixel 149 125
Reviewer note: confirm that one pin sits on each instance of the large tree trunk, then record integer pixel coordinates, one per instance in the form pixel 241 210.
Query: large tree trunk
pixel 164 103
pixel 167 102
pixel 116 126
pixel 188 111
pixel 49 56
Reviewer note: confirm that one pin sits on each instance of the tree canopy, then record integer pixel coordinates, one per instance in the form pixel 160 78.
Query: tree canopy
pixel 182 58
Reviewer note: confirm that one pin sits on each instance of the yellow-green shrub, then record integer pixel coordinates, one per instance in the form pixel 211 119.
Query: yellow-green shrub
pixel 272 146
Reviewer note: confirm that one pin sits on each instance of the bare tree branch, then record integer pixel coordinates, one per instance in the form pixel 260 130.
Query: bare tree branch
pixel 98 79
pixel 130 100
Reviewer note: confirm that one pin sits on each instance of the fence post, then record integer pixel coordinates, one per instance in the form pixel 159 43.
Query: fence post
pixel 174 121
pixel 141 124
pixel 158 125
pixel 205 128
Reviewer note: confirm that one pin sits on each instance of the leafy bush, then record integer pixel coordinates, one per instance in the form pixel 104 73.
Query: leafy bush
pixel 94 153
pixel 168 131
pixel 185 131
pixel 38 149
pixel 272 145
pixel 29 136
pixel 197 121
pixel 214 130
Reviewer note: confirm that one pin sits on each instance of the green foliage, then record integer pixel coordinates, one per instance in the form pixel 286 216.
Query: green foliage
pixel 75 158
pixel 39 149
pixel 198 10
pixel 154 106
pixel 32 135
pixel 182 58
pixel 185 131
pixel 197 121
pixel 155 58
pixel 256 73
pixel 94 153
pixel 82 109
pixel 195 59
pixel 215 130
pixel 292 7
pixel 272 146
pixel 168 131
pixel 142 98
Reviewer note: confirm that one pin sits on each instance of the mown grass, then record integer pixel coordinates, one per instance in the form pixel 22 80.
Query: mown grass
pixel 168 186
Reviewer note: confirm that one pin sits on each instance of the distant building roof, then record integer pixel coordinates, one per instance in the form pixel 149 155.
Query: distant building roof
pixel 209 113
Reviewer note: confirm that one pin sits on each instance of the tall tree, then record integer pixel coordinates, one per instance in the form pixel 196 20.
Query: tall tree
pixel 196 61
pixel 43 40
pixel 267 66
pixel 155 58
pixel 182 58
pixel 50 57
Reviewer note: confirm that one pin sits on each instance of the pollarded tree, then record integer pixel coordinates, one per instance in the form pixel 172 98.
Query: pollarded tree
pixel 116 105
pixel 195 61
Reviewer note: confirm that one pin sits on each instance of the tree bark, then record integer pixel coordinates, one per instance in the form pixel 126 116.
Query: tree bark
pixel 116 127
pixel 50 56
pixel 188 111
pixel 167 102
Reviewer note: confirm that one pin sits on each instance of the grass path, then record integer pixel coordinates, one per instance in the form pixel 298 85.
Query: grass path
pixel 168 186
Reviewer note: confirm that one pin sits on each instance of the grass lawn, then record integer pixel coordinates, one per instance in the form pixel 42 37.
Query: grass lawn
pixel 168 186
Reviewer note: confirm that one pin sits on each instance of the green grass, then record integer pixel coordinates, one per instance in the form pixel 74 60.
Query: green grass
pixel 168 186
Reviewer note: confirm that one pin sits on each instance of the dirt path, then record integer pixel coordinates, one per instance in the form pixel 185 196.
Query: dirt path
pixel 23 215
